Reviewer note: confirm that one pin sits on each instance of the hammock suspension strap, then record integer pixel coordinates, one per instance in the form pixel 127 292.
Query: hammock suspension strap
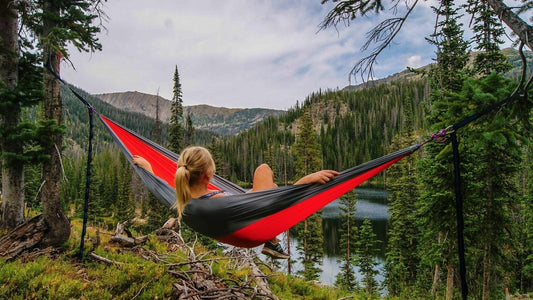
pixel 91 112
pixel 87 181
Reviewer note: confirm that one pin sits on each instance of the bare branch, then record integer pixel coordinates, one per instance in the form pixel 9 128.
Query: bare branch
pixel 348 10
pixel 383 35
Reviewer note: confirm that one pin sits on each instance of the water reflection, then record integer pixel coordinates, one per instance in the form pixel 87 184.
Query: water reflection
pixel 371 203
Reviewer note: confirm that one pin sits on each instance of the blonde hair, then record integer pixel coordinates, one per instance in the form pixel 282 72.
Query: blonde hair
pixel 193 163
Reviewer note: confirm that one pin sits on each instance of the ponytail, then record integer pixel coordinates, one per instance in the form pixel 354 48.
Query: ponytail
pixel 183 190
pixel 193 163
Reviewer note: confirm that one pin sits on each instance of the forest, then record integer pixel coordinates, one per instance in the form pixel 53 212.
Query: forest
pixel 435 250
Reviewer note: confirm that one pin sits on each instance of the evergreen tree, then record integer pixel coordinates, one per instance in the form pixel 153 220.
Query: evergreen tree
pixel 20 140
pixel 307 154
pixel 157 135
pixel 492 155
pixel 365 257
pixel 488 32
pixel 189 131
pixel 63 22
pixel 526 263
pixel 436 205
pixel 307 160
pixel 311 247
pixel 10 116
pixel 175 129
pixel 348 232
pixel 403 235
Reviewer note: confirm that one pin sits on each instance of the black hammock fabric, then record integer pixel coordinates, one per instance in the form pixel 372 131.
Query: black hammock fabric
pixel 243 219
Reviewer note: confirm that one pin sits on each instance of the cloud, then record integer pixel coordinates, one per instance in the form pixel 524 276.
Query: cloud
pixel 234 53
pixel 414 61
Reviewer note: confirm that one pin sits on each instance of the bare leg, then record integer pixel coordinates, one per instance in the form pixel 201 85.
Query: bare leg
pixel 263 178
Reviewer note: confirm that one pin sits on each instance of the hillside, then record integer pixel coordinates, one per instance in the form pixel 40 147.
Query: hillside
pixel 221 120
pixel 407 75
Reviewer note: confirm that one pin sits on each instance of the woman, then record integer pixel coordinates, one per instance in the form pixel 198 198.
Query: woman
pixel 196 167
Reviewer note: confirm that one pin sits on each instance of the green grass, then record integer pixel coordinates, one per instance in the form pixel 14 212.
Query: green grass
pixel 64 276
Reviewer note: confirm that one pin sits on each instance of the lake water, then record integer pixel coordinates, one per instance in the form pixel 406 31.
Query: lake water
pixel 371 203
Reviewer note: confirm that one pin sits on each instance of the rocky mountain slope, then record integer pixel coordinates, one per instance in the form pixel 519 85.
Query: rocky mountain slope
pixel 218 119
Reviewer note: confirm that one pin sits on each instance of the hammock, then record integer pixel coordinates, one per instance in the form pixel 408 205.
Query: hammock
pixel 242 219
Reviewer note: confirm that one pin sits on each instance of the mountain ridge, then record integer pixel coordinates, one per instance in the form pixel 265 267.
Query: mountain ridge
pixel 206 117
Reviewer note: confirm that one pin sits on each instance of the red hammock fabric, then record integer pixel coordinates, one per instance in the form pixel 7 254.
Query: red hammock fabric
pixel 243 219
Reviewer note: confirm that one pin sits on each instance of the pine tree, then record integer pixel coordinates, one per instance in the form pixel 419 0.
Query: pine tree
pixel 307 153
pixel 365 257
pixel 436 205
pixel 488 33
pixel 189 131
pixel 175 129
pixel 492 155
pixel 12 172
pixel 311 246
pixel 157 135
pixel 307 160
pixel 346 278
pixel 403 235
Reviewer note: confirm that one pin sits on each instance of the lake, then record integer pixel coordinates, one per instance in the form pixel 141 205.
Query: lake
pixel 371 203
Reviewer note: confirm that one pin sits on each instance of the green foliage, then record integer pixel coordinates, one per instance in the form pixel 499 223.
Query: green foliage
pixel 402 258
pixel 175 130
pixel 74 24
pixel 346 279
pixel 488 33
pixel 365 257
pixel 307 158
pixel 310 244
pixel 361 125
pixel 30 137
pixel 65 277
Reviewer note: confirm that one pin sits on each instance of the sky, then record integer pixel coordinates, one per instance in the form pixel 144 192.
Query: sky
pixel 237 53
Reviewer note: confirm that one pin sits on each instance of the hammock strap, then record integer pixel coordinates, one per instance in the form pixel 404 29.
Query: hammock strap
pixel 91 111
pixel 459 212
pixel 87 181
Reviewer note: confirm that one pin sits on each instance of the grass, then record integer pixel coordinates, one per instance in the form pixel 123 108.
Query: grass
pixel 134 276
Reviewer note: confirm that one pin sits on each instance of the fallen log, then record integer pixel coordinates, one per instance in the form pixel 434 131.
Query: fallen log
pixel 24 237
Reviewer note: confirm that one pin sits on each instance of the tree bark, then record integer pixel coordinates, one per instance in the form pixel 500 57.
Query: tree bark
pixel 25 237
pixel 486 272
pixel 52 212
pixel 12 198
pixel 449 282
pixel 523 30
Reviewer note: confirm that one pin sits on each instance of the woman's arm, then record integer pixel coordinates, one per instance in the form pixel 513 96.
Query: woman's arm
pixel 318 177
pixel 142 162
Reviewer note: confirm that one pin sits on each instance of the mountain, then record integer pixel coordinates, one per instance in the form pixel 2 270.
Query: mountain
pixel 406 75
pixel 221 120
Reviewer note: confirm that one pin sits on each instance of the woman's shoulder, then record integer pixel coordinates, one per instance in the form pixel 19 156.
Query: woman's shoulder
pixel 213 194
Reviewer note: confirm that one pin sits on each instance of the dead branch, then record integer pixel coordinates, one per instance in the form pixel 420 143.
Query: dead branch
pixel 103 259
pixel 126 240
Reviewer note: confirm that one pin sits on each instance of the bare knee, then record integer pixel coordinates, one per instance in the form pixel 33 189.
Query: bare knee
pixel 263 178
pixel 263 169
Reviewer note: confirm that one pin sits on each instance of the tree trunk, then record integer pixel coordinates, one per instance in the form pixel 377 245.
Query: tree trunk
pixel 449 282
pixel 52 212
pixel 515 23
pixel 12 204
pixel 486 272
pixel 436 279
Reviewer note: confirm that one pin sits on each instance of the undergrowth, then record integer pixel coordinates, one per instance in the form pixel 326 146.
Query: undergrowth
pixel 133 275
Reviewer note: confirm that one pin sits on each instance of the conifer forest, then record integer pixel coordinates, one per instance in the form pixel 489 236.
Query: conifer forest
pixel 330 129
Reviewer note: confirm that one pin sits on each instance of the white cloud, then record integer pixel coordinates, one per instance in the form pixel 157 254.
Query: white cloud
pixel 229 53
pixel 414 61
